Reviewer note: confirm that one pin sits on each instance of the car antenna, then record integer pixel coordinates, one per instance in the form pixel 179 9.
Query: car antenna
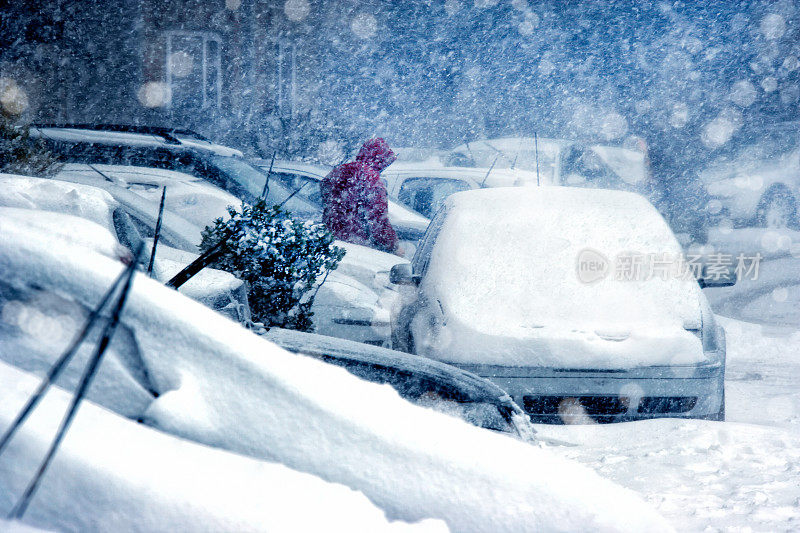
pixel 86 380
pixel 536 148
pixel 269 173
pixel 157 233
pixel 490 171
pixel 300 188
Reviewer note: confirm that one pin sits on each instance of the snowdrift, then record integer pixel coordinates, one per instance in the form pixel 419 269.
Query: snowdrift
pixel 112 474
pixel 221 385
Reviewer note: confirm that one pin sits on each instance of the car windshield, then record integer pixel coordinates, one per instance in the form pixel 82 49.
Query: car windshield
pixel 252 180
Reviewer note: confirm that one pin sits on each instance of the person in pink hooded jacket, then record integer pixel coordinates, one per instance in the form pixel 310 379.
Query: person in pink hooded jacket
pixel 355 199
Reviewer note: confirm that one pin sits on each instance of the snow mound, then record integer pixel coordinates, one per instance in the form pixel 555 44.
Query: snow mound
pixel 220 385
pixel 51 195
pixel 111 474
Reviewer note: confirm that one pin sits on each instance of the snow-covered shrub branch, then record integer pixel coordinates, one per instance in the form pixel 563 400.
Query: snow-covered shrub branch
pixel 281 259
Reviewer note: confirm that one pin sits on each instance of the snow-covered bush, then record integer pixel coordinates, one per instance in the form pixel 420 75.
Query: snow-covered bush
pixel 280 258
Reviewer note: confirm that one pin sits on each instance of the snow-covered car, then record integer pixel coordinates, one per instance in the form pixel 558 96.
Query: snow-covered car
pixel 352 303
pixel 758 184
pixel 183 369
pixel 169 149
pixel 424 187
pixel 562 162
pixel 305 178
pixel 519 161
pixel 112 474
pixel 417 379
pixel 81 213
pixel 529 288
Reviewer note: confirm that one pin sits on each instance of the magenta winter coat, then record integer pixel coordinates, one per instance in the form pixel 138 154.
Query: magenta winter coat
pixel 355 199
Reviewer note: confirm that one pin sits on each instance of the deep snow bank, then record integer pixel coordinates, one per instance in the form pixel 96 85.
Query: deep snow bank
pixel 112 474
pixel 224 386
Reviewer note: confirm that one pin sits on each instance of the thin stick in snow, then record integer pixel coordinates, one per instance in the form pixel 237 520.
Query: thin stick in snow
pixel 86 380
pixel 536 148
pixel 60 364
pixel 269 173
pixel 158 232
pixel 207 257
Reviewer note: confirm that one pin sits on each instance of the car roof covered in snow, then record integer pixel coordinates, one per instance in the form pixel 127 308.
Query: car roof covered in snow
pixel 129 136
pixel 506 262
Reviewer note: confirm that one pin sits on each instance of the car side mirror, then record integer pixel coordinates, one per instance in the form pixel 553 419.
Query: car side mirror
pixel 402 274
pixel 725 278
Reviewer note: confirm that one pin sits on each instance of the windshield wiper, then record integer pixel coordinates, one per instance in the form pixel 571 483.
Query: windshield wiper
pixel 269 173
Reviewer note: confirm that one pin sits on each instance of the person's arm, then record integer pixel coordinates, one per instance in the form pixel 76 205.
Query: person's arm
pixel 381 232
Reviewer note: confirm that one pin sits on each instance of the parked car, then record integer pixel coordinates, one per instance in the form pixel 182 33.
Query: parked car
pixel 126 220
pixel 497 288
pixel 184 370
pixel 305 178
pixel 417 379
pixel 519 161
pixel 757 184
pixel 562 162
pixel 124 476
pixel 352 303
pixel 424 187
pixel 169 149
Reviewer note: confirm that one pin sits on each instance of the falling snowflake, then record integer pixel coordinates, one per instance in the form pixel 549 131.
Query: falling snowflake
pixel 13 98
pixel 452 7
pixel 743 93
pixel 364 25
pixel 773 26
pixel 154 94
pixel 296 10
pixel 769 84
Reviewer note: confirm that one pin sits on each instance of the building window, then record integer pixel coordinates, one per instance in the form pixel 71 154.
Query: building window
pixel 286 78
pixel 193 67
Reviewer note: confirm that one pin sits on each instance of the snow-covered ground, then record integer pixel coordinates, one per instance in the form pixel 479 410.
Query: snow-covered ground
pixel 738 475
pixel 743 474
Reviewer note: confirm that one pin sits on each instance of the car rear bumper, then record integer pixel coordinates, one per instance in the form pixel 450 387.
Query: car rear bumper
pixel 566 396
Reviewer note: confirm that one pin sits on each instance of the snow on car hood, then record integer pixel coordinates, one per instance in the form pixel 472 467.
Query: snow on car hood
pixel 189 197
pixel 224 386
pixel 52 195
pixel 505 267
pixel 114 474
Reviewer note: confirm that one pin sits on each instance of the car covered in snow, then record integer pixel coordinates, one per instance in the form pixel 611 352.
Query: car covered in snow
pixel 424 187
pixel 305 179
pixel 519 161
pixel 531 289
pixel 418 379
pixel 352 303
pixel 757 184
pixel 124 476
pixel 183 369
pixel 82 213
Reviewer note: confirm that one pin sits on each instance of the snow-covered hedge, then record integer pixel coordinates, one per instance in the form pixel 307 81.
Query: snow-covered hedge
pixel 280 258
